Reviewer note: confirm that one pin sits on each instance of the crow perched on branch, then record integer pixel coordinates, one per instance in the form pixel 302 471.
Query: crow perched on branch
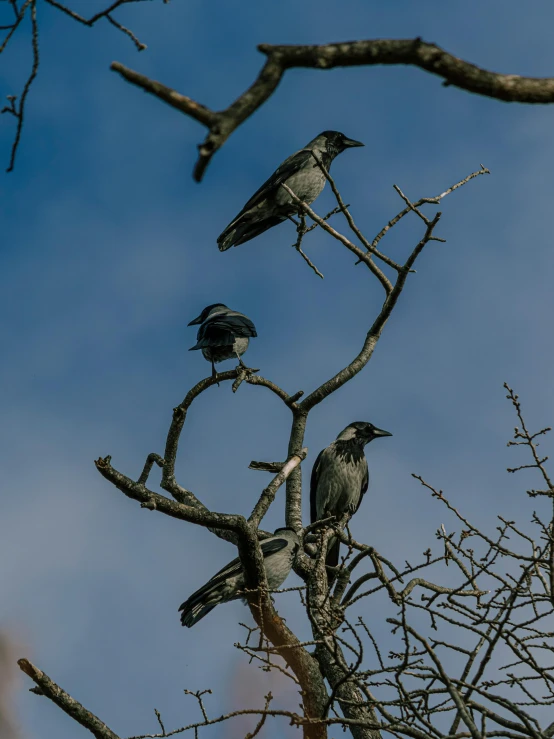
pixel 340 477
pixel 272 204
pixel 228 583
pixel 223 334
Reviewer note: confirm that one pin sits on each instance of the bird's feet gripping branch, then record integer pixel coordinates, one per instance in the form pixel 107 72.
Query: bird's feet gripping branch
pixel 242 373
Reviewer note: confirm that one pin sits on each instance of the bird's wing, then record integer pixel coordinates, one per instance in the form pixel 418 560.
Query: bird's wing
pixel 230 570
pixel 268 547
pixel 237 323
pixel 285 170
pixel 365 484
pixel 213 335
pixel 271 546
pixel 313 487
pixel 222 330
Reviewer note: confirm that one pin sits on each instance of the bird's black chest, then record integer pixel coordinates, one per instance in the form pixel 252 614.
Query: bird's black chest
pixel 326 158
pixel 349 452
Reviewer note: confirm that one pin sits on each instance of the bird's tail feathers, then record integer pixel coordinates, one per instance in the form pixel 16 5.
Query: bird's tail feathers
pixel 226 240
pixel 217 337
pixel 198 605
pixel 239 232
pixel 193 613
pixel 203 601
pixel 234 234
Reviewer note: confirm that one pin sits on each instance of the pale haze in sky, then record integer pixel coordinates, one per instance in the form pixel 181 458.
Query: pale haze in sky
pixel 109 249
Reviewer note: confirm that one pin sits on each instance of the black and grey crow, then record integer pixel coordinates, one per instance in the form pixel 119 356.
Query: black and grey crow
pixel 272 204
pixel 228 583
pixel 340 477
pixel 223 334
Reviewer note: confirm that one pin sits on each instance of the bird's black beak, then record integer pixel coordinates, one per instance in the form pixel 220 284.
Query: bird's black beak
pixel 195 322
pixel 381 432
pixel 351 142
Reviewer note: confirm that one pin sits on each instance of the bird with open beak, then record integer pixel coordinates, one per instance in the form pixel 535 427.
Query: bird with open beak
pixel 272 204
pixel 340 478
pixel 223 334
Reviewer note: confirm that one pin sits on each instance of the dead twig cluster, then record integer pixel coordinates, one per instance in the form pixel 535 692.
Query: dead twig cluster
pixel 25 15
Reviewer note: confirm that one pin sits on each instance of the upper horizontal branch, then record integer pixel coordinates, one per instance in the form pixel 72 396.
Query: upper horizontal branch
pixel 510 88
pixel 413 52
pixel 183 103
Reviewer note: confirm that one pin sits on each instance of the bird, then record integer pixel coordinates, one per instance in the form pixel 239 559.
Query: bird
pixel 340 478
pixel 272 204
pixel 228 584
pixel 223 334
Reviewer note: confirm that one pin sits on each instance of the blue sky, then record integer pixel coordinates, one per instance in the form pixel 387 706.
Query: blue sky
pixel 109 249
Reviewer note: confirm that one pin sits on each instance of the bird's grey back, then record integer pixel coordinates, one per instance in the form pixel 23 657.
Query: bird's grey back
pixel 278 566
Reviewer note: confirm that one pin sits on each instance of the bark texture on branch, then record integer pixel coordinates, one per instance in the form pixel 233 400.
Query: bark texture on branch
pixel 510 88
pixel 68 704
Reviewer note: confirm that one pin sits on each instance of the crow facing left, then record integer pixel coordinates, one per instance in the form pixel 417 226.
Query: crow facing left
pixel 223 334
pixel 228 584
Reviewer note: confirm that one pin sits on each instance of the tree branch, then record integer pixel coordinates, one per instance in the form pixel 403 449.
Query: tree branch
pixel 410 52
pixel 180 413
pixel 268 495
pixel 372 337
pixel 300 661
pixel 68 704
pixel 18 109
pixel 156 502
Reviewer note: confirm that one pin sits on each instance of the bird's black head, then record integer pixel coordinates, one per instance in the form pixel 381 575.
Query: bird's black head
pixel 206 312
pixel 362 432
pixel 336 142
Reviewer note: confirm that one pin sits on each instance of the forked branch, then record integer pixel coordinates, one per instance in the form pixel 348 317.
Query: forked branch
pixel 412 52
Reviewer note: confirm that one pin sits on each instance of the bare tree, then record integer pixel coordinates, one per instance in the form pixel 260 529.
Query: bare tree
pixel 471 621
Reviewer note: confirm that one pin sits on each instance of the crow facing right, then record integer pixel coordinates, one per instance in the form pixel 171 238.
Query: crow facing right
pixel 340 477
pixel 272 204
